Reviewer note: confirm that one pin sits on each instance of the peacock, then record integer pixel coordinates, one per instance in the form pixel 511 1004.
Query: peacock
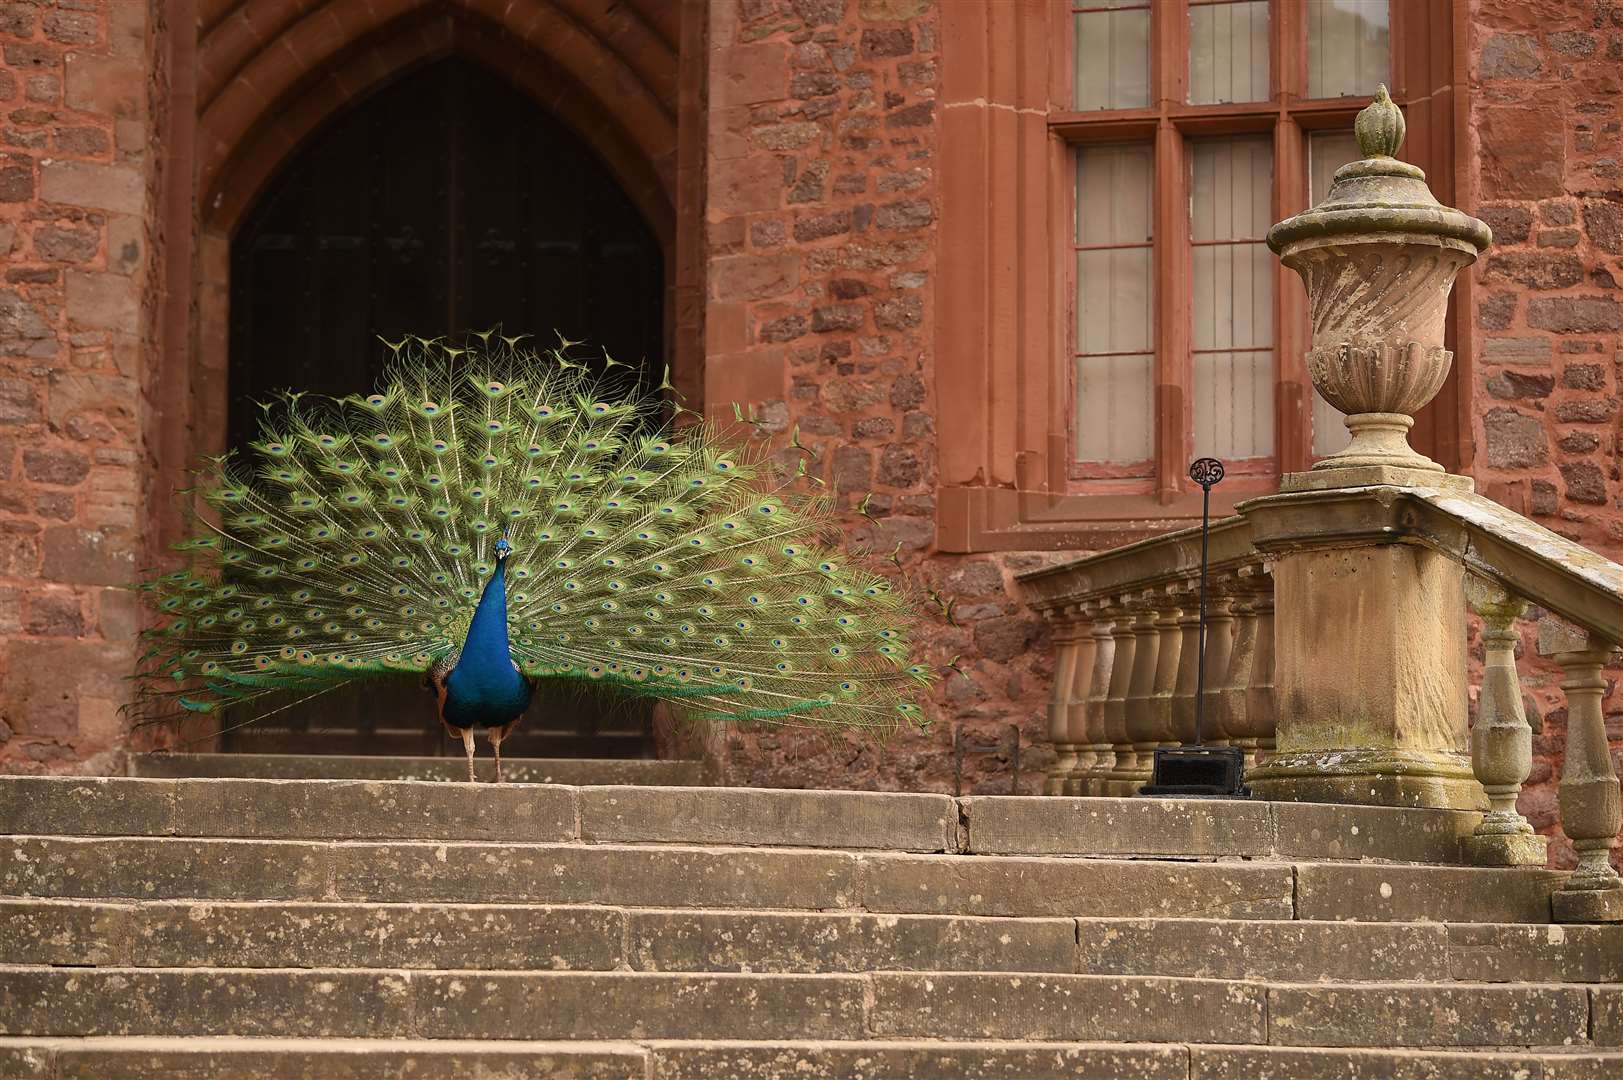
pixel 492 516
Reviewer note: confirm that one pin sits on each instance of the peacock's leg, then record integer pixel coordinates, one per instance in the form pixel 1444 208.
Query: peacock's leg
pixel 467 741
pixel 497 734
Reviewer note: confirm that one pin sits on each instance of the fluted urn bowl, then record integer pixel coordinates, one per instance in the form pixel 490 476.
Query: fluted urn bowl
pixel 1379 256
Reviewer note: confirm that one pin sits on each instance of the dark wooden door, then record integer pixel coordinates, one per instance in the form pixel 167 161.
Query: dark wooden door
pixel 447 201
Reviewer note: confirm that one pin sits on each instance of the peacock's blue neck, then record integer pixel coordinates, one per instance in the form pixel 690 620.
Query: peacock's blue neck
pixel 485 687
pixel 486 656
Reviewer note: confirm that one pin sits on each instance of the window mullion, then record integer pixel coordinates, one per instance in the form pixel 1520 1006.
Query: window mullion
pixel 1174 373
pixel 1293 392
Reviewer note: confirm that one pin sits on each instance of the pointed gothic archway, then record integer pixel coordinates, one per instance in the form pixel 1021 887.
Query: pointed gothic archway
pixel 264 80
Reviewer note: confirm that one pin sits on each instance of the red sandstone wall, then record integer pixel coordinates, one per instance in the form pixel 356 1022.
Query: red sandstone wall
pixel 821 225
pixel 1546 110
pixel 76 174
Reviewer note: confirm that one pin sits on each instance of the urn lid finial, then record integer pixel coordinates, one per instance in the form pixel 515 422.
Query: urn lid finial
pixel 1380 127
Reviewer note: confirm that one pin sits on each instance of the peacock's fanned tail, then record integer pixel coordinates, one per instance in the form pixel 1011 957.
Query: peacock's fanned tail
pixel 669 565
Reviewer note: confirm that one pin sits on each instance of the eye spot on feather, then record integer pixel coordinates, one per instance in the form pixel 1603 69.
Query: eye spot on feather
pixel 439 446
pixel 429 408
pixel 493 426
pixel 376 400
pixel 383 439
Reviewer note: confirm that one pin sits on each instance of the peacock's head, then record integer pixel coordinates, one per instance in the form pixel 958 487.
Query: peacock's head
pixel 503 549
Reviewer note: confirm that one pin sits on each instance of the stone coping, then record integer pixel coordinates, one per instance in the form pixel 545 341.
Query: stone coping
pixel 365 767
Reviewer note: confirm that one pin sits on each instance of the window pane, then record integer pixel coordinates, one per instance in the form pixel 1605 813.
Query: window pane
pixel 1228 51
pixel 1327 151
pixel 1112 54
pixel 1233 303
pixel 1347 49
pixel 1115 335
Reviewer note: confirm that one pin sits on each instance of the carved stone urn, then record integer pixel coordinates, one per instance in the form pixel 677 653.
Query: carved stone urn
pixel 1378 257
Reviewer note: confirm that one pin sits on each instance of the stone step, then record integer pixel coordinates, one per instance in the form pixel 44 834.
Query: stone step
pixel 756 817
pixel 158 1058
pixel 595 938
pixel 156 868
pixel 547 1005
pixel 153 868
pixel 585 771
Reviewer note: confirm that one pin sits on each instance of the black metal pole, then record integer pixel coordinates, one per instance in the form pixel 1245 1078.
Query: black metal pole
pixel 1200 663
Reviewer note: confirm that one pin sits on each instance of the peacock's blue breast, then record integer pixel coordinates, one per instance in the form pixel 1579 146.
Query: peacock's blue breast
pixel 485 695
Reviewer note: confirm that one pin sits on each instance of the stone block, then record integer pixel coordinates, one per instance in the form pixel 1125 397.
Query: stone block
pixel 1390 833
pixel 996 885
pixel 1607 1009
pixel 212 1059
pixel 455 936
pixel 87 806
pixel 1290 1063
pixel 1011 825
pixel 102 301
pixel 149 868
pixel 837 941
pixel 89 556
pixel 767 818
pixel 1427 1015
pixel 567 874
pixel 373 810
pixel 591 1005
pixel 1588 905
pixel 118 188
pixel 1372 893
pixel 1510 953
pixel 748 74
pixel 27 1062
pixel 1284 951
pixel 64 933
pixel 895 1060
pixel 106 85
pixel 130 1001
pixel 1079 1007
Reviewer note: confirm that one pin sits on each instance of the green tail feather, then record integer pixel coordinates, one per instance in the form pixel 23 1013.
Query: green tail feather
pixel 665 565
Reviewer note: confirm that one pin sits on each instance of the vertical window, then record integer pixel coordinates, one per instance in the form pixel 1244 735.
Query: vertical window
pixel 1348 50
pixel 1228 51
pixel 1231 188
pixel 1178 115
pixel 1115 324
pixel 1112 54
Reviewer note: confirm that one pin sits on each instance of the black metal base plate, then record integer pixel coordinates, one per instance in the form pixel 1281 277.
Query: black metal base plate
pixel 1212 772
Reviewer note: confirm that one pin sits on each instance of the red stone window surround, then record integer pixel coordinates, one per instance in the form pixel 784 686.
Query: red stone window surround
pixel 1006 329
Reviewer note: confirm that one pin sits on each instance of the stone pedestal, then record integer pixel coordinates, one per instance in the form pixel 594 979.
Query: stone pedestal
pixel 1369 673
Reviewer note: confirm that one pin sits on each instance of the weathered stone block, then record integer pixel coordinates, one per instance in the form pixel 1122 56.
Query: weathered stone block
pixel 1081 1007
pixel 372 809
pixel 638 876
pixel 1503 953
pixel 831 941
pixel 101 187
pixel 995 885
pixel 96 806
pixel 890 1060
pixel 148 868
pixel 1021 826
pixel 211 1059
pixel 126 1001
pixel 1427 1015
pixel 1372 893
pixel 455 936
pixel 1396 834
pixel 583 1005
pixel 64 933
pixel 1288 1063
pixel 764 817
pixel 1285 951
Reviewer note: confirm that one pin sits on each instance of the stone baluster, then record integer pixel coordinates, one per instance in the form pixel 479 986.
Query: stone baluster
pixel 1140 718
pixel 1230 713
pixel 1183 698
pixel 1590 807
pixel 1068 636
pixel 1501 741
pixel 1250 713
pixel 1118 781
pixel 1089 778
pixel 1168 660
pixel 1083 754
pixel 1219 650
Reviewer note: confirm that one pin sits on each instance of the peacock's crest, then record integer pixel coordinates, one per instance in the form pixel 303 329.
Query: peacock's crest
pixel 670 565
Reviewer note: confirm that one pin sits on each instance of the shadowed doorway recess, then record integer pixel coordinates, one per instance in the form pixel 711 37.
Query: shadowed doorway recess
pixel 446 201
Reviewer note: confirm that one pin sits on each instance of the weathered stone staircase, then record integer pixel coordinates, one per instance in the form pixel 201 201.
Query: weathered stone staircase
pixel 357 928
